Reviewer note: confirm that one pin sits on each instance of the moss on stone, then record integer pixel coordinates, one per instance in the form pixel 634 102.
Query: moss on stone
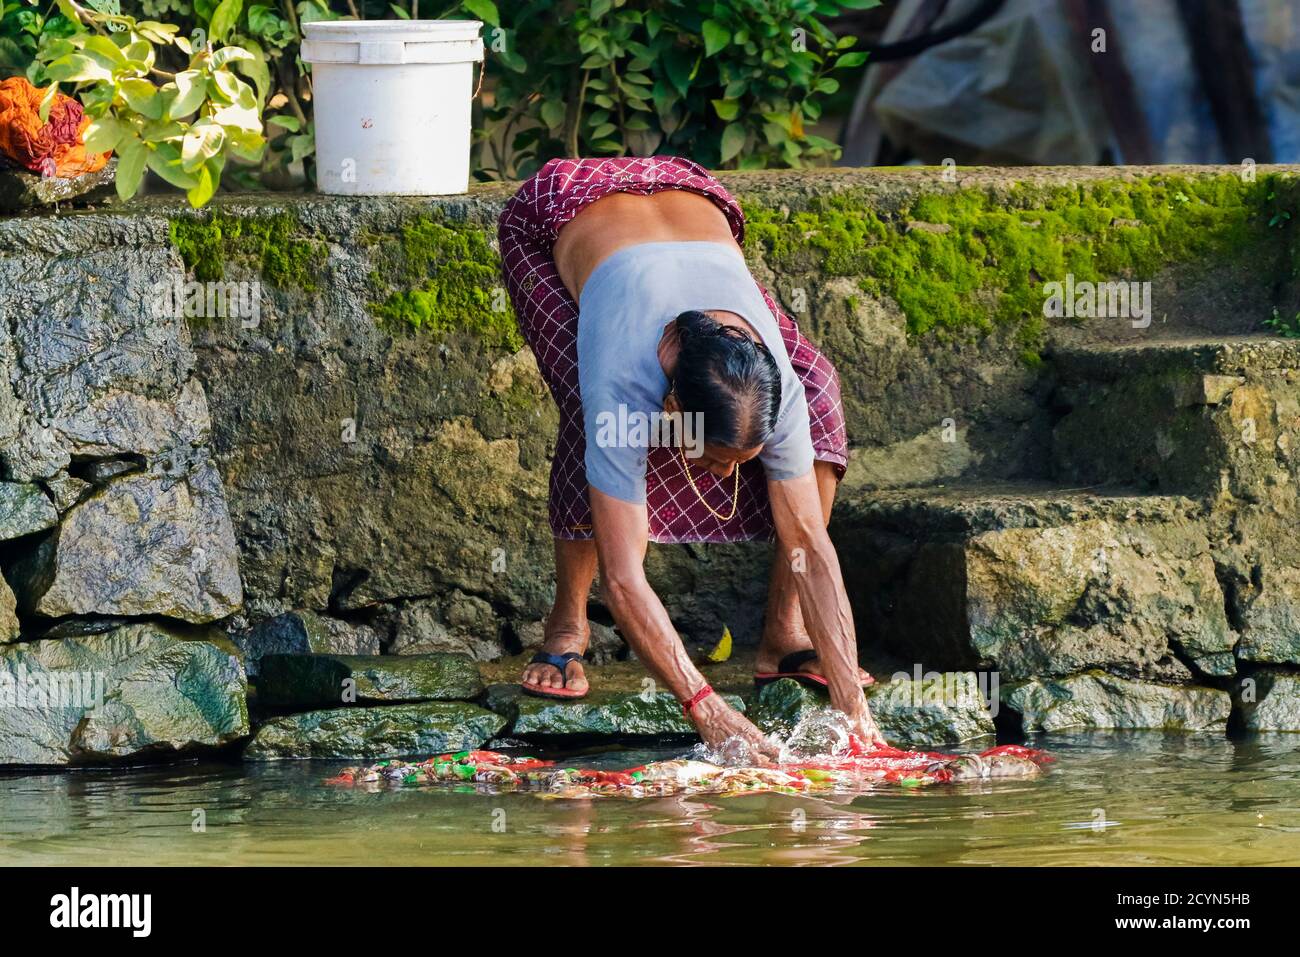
pixel 443 277
pixel 960 262
pixel 273 246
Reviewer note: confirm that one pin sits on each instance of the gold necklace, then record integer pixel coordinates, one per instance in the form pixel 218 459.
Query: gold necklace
pixel 735 490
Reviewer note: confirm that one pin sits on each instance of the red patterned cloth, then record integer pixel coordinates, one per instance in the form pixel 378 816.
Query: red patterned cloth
pixel 548 320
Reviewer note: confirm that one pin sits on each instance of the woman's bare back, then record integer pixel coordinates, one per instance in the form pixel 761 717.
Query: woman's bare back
pixel 626 219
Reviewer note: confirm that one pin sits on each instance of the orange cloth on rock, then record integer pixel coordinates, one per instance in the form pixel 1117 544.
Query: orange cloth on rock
pixel 53 148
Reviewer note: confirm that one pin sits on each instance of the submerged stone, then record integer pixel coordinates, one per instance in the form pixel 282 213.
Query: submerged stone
pixel 323 681
pixel 383 731
pixel 1099 700
pixel 139 690
pixel 1269 701
pixel 602 714
pixel 944 709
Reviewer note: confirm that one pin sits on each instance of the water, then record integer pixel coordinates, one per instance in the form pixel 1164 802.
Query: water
pixel 1111 799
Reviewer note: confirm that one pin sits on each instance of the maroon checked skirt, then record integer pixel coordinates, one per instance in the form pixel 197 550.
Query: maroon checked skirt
pixel 548 320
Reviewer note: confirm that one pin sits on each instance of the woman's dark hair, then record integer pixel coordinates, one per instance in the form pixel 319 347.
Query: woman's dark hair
pixel 729 378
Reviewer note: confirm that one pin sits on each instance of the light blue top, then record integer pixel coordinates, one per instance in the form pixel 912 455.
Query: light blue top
pixel 627 301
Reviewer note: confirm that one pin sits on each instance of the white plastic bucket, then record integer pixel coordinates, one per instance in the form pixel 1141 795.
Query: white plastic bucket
pixel 392 102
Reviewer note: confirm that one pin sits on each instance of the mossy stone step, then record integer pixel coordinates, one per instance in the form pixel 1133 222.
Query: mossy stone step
pixel 602 714
pixel 1103 701
pixel 1035 581
pixel 1242 355
pixel 936 710
pixel 382 731
pixel 322 681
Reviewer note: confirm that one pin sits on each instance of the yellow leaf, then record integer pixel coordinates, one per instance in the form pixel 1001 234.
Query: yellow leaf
pixel 722 650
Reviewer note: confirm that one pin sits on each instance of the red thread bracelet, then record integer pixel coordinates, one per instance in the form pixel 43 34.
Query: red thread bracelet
pixel 696 699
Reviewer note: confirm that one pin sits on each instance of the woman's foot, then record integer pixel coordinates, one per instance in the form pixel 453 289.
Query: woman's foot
pixel 773 649
pixel 560 638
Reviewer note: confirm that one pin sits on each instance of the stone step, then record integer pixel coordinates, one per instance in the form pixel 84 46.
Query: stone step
pixel 1204 417
pixel 1034 581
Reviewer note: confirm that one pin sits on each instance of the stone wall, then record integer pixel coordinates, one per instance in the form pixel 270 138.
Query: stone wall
pixel 359 465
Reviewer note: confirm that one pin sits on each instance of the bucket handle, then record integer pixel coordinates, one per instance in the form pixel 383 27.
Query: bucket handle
pixel 482 68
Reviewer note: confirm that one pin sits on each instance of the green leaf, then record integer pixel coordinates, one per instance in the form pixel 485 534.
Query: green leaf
pixel 202 142
pixel 552 113
pixel 224 19
pixel 726 109
pixel 77 68
pixel 47 101
pixel 733 141
pixel 716 36
pixel 103 135
pixel 192 90
pixel 229 54
pixel 285 121
pixel 485 10
pixel 142 96
pixel 202 191
pixel 225 86
pixel 165 160
pixel 130 168
pixel 399 11
pixel 848 61
pixel 105 52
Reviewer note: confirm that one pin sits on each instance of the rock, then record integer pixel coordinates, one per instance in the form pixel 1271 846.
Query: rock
pixel 1104 701
pixel 607 714
pixel 458 624
pixel 606 644
pixel 384 731
pixel 323 681
pixel 24 510
pixel 1035 581
pixel 940 709
pixel 22 190
pixel 141 690
pixel 67 490
pixel 1269 700
pixel 148 544
pixel 304 632
pixel 96 369
pixel 10 627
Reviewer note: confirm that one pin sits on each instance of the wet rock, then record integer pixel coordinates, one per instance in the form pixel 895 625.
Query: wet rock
pixel 602 714
pixel 24 510
pixel 140 690
pixel 383 731
pixel 941 709
pixel 322 681
pixel 22 190
pixel 1105 701
pixel 147 544
pixel 1034 582
pixel 458 624
pixel 304 632
pixel 1269 700
pixel 10 627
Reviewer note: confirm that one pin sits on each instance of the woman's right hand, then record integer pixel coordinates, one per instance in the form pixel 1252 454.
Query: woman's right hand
pixel 722 728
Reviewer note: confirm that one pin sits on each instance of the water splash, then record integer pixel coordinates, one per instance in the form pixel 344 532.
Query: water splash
pixel 822 733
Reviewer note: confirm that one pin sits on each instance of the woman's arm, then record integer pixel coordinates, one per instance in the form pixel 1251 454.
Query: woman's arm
pixel 802 541
pixel 622 531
